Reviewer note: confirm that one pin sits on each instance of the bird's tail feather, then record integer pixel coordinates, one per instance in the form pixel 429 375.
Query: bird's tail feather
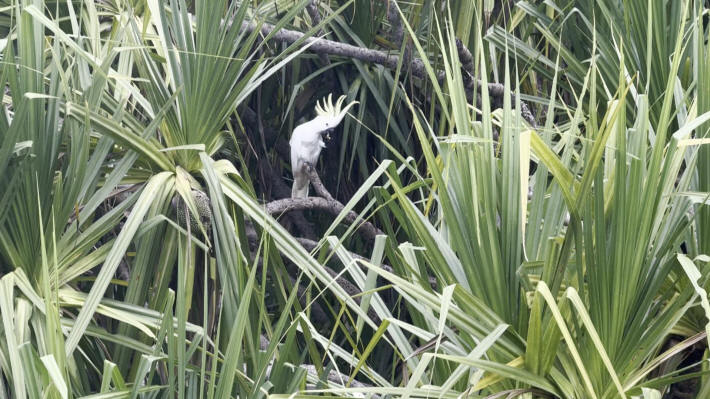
pixel 300 187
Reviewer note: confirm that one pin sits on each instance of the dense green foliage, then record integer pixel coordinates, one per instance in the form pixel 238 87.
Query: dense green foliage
pixel 140 141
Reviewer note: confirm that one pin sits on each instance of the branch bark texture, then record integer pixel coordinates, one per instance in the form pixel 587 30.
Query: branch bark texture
pixel 389 60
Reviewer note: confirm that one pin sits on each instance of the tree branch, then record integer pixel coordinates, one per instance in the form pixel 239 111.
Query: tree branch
pixel 316 182
pixel 325 202
pixel 330 47
pixel 386 59
pixel 312 10
pixel 280 190
pixel 333 207
pixel 396 26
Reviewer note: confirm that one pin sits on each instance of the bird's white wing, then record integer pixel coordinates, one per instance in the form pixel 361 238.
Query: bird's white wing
pixel 300 179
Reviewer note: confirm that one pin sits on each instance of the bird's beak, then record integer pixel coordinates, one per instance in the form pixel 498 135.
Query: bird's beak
pixel 326 134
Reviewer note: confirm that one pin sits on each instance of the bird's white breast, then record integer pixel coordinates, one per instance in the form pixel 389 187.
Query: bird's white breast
pixel 306 144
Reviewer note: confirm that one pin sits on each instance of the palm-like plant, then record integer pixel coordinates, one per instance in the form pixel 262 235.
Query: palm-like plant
pixel 76 165
pixel 108 289
pixel 589 305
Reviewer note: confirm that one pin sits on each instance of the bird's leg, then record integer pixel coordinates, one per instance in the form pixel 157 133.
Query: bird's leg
pixel 316 182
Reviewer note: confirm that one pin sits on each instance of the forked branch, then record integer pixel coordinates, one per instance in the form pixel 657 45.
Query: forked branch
pixel 324 202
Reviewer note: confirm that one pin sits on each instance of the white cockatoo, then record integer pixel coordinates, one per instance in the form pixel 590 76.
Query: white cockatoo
pixel 307 140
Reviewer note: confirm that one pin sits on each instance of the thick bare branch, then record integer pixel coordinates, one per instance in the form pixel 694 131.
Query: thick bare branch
pixel 396 26
pixel 279 189
pixel 331 47
pixel 317 183
pixel 325 202
pixel 416 66
pixel 333 207
pixel 496 90
pixel 312 10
